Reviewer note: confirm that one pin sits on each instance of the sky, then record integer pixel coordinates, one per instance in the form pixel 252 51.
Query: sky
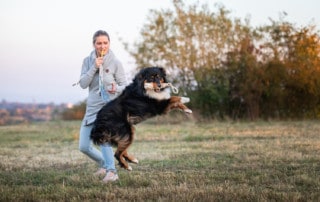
pixel 43 43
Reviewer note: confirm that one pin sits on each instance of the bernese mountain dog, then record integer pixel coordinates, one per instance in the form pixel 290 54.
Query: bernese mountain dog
pixel 147 96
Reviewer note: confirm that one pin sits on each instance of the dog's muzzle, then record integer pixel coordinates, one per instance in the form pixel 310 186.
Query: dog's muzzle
pixel 150 86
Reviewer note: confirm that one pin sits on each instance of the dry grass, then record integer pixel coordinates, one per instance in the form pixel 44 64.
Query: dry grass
pixel 263 161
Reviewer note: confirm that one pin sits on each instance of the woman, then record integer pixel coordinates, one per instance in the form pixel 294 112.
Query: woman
pixel 100 67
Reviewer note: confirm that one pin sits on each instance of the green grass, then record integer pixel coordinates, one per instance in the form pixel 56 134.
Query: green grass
pixel 217 161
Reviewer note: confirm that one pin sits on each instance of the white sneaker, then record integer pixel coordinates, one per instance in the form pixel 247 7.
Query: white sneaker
pixel 100 172
pixel 110 177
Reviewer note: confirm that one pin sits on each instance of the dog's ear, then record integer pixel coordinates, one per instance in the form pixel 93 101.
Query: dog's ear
pixel 142 75
pixel 163 73
pixel 138 82
pixel 139 76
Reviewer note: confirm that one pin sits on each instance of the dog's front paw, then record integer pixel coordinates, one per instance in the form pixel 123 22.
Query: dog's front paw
pixel 188 111
pixel 129 168
pixel 136 161
pixel 185 99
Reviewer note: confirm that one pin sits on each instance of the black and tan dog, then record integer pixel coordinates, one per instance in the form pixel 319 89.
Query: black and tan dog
pixel 147 96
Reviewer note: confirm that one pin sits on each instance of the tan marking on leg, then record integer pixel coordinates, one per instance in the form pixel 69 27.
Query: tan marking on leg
pixel 121 152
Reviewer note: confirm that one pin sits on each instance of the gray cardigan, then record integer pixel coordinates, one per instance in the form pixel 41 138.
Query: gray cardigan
pixel 113 72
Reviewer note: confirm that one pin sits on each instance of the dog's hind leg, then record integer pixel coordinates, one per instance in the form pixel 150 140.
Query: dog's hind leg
pixel 121 153
pixel 122 161
pixel 130 158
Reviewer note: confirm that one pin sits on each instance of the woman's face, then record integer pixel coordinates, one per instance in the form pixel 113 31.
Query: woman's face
pixel 102 44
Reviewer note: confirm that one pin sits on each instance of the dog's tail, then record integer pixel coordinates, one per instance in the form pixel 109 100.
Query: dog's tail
pixel 97 136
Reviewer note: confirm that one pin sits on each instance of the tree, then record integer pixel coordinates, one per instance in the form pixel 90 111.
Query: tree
pixel 293 68
pixel 229 68
pixel 190 42
pixel 245 78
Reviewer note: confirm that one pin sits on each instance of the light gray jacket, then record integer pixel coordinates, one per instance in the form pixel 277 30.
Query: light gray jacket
pixel 113 72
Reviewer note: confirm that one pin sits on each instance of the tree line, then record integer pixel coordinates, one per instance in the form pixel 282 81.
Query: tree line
pixel 231 69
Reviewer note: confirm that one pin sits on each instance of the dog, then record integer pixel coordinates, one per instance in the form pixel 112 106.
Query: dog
pixel 147 96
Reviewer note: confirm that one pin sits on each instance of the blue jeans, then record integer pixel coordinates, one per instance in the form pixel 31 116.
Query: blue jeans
pixel 105 157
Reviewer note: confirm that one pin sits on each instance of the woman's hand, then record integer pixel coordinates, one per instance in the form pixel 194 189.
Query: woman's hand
pixel 98 62
pixel 113 89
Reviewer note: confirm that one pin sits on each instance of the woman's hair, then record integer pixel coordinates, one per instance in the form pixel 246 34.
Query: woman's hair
pixel 100 33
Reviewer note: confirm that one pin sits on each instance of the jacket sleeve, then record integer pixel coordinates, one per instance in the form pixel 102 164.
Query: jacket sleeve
pixel 87 73
pixel 120 77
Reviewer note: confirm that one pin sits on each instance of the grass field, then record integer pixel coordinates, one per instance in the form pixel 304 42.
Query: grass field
pixel 218 161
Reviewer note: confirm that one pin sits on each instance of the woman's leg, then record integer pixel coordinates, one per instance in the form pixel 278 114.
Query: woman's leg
pixel 86 147
pixel 108 156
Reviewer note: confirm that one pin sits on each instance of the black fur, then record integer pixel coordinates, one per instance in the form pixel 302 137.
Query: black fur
pixel 114 122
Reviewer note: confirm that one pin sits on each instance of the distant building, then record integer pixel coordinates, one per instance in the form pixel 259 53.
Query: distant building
pixel 14 112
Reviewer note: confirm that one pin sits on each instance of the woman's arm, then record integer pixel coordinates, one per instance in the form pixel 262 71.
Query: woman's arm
pixel 87 73
pixel 120 77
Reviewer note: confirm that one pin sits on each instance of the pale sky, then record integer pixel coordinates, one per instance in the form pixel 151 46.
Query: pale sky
pixel 43 43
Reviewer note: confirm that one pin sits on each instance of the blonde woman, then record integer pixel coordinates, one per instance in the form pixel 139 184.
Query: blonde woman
pixel 103 74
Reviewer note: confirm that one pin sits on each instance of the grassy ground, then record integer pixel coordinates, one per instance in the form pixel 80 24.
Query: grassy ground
pixel 263 161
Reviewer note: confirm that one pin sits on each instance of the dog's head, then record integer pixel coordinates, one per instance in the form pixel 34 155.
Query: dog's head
pixel 151 81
